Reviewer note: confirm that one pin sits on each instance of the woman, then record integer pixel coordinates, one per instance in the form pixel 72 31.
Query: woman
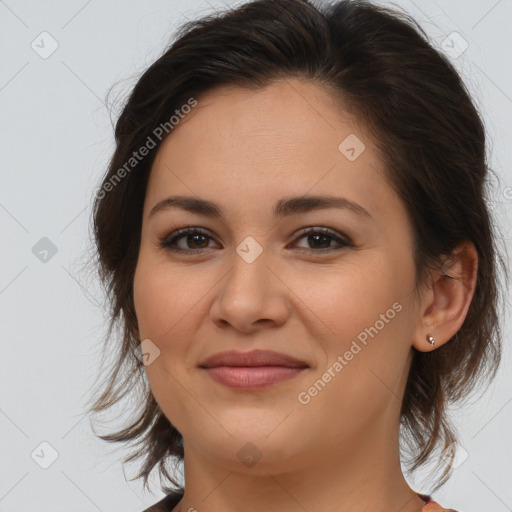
pixel 294 234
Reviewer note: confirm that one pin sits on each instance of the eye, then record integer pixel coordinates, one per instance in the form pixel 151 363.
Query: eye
pixel 198 239
pixel 322 237
pixel 194 236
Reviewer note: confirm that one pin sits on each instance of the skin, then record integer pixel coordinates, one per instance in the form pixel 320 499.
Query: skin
pixel 245 150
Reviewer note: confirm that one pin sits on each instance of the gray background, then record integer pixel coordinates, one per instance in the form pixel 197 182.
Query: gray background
pixel 56 139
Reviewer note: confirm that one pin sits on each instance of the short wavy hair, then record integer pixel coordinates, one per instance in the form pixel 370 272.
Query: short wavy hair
pixel 382 67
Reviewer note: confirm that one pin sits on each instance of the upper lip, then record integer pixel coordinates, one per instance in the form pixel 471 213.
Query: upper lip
pixel 252 358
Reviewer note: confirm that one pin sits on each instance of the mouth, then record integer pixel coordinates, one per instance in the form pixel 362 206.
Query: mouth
pixel 252 377
pixel 252 370
pixel 253 358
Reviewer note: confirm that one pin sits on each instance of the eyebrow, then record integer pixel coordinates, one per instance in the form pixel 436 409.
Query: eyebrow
pixel 283 208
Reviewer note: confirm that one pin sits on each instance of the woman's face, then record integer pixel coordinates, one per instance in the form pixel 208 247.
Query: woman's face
pixel 340 302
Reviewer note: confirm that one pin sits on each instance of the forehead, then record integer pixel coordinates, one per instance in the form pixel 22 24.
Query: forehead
pixel 284 114
pixel 288 138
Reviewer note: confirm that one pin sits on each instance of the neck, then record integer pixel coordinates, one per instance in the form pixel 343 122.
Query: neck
pixel 365 478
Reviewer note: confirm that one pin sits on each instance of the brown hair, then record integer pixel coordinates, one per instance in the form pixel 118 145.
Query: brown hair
pixel 419 113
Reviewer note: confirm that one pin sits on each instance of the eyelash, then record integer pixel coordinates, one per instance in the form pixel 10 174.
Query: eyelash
pixel 168 242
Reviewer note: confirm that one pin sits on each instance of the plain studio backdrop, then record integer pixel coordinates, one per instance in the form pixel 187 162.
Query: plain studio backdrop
pixel 58 61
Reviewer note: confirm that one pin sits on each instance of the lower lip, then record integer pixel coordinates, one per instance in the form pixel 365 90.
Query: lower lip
pixel 252 377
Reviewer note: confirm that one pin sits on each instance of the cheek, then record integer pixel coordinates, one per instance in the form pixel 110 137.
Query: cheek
pixel 162 298
pixel 364 306
pixel 351 296
pixel 163 305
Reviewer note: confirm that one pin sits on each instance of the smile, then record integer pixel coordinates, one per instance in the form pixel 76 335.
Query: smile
pixel 252 377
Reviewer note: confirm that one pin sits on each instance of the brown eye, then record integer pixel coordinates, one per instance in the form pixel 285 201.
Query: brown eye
pixel 195 239
pixel 320 239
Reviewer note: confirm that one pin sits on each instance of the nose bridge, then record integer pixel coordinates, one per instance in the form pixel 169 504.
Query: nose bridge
pixel 250 291
pixel 250 250
pixel 248 279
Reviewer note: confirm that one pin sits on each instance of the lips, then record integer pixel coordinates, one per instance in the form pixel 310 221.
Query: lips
pixel 251 371
pixel 253 358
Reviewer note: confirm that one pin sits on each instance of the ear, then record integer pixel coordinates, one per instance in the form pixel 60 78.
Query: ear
pixel 445 303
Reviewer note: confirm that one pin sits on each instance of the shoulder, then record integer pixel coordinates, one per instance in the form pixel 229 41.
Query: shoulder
pixel 433 506
pixel 166 504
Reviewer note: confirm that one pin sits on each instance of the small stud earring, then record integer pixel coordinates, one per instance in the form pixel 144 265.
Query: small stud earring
pixel 430 339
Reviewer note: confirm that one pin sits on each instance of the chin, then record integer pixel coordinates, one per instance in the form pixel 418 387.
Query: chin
pixel 253 448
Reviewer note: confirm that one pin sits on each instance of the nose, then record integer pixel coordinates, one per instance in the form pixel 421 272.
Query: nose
pixel 251 295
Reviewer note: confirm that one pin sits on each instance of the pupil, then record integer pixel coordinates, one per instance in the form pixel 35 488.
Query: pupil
pixel 325 237
pixel 194 236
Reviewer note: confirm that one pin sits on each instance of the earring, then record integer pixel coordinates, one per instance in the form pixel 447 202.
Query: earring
pixel 430 339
